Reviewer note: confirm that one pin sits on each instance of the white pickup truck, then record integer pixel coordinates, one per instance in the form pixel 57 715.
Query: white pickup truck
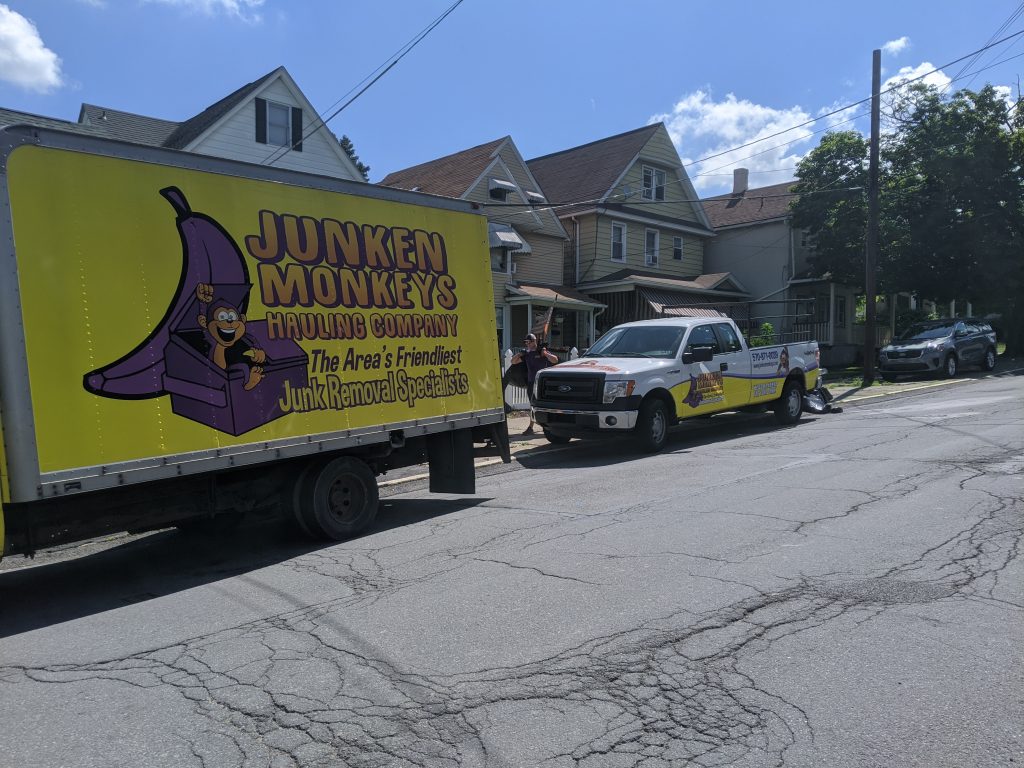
pixel 642 377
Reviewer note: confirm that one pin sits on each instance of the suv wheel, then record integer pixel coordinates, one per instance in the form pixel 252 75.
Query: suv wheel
pixel 989 362
pixel 950 367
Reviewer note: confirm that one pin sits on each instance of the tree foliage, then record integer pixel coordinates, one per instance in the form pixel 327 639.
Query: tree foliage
pixel 951 204
pixel 350 150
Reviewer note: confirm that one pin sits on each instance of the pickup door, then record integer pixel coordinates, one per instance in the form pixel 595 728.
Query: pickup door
pixel 721 384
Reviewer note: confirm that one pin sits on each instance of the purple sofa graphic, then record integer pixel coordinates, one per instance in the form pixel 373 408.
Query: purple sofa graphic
pixel 219 368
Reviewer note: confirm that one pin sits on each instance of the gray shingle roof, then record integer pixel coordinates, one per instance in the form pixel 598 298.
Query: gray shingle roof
pixel 761 204
pixel 587 172
pixel 126 126
pixel 139 129
pixel 13 117
pixel 450 175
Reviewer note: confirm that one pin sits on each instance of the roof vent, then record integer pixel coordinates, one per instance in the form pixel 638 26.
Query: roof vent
pixel 739 180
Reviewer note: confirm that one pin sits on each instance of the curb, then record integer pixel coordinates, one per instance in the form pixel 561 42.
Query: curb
pixel 841 399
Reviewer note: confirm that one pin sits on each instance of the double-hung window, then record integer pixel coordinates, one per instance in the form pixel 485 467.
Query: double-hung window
pixel 278 125
pixel 654 183
pixel 677 249
pixel 651 247
pixel 618 242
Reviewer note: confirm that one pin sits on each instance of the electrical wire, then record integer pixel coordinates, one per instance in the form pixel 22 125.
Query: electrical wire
pixel 381 71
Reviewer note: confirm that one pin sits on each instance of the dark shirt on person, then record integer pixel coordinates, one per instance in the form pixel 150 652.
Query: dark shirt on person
pixel 535 362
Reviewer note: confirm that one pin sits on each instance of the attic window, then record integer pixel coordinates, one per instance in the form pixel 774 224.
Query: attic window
pixel 654 183
pixel 278 125
pixel 499 189
pixel 536 198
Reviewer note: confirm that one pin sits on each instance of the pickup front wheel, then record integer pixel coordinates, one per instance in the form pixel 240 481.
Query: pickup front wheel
pixel 789 407
pixel 652 426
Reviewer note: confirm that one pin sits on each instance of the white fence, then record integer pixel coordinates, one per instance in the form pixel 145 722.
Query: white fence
pixel 516 397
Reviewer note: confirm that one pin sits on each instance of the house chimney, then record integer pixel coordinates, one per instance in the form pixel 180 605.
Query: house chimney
pixel 739 180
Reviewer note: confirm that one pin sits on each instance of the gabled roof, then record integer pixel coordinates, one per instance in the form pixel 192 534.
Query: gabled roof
pixel 152 131
pixel 451 175
pixel 750 207
pixel 195 126
pixel 588 172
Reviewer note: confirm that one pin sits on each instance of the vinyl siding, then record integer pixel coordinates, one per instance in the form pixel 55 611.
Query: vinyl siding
pixel 236 140
pixel 549 224
pixel 758 256
pixel 660 153
pixel 544 264
pixel 523 219
pixel 600 251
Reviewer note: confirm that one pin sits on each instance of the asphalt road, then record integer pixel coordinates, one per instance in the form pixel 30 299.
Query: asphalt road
pixel 844 592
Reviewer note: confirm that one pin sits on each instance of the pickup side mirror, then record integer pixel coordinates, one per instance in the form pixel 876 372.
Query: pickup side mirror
pixel 698 355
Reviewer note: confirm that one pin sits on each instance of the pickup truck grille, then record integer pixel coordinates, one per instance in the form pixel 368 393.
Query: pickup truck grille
pixel 575 389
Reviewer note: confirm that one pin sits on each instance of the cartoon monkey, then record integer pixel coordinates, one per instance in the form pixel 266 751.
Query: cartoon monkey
pixel 224 324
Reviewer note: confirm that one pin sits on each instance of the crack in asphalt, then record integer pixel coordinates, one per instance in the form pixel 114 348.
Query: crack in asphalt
pixel 300 689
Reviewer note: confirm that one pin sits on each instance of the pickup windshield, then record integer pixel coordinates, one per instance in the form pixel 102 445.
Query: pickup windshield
pixel 638 341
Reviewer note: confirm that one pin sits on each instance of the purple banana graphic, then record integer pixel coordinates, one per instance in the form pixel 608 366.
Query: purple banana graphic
pixel 209 255
pixel 693 397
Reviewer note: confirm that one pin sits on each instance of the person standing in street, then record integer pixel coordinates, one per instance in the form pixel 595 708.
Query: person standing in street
pixel 536 359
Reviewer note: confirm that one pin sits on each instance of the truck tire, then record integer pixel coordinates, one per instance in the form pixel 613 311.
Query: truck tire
pixel 789 407
pixel 337 499
pixel 556 439
pixel 652 426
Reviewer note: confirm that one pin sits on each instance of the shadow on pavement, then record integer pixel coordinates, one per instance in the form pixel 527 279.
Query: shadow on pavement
pixel 166 562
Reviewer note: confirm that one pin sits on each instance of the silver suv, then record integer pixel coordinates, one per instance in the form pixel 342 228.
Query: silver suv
pixel 940 347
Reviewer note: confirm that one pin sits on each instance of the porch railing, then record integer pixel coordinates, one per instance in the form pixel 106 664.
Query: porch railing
pixel 516 397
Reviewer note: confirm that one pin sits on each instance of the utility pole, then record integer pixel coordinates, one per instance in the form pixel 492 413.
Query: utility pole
pixel 871 252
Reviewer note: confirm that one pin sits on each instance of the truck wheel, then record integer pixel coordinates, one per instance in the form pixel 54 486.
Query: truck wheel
pixel 556 439
pixel 338 499
pixel 789 407
pixel 989 361
pixel 652 426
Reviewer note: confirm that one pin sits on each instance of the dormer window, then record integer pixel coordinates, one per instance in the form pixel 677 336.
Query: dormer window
pixel 499 189
pixel 278 124
pixel 654 183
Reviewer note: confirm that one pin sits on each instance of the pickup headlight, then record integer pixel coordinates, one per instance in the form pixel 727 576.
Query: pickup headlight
pixel 614 389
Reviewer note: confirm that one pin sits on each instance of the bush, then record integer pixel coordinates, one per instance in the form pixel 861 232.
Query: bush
pixel 765 336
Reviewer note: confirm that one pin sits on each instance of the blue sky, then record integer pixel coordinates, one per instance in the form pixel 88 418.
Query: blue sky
pixel 552 74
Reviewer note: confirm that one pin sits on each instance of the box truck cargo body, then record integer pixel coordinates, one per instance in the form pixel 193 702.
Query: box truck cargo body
pixel 182 335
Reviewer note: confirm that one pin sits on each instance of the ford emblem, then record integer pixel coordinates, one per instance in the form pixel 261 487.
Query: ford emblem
pixel 564 388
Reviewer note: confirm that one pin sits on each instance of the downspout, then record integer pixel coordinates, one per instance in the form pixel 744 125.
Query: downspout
pixel 831 314
pixel 576 250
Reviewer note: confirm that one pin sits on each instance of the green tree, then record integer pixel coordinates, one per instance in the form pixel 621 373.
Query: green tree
pixel 951 206
pixel 350 150
pixel 833 214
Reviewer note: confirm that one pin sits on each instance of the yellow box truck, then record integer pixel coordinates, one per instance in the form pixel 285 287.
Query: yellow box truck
pixel 182 336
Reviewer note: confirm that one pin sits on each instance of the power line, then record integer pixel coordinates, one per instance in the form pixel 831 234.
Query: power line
pixel 901 84
pixel 395 58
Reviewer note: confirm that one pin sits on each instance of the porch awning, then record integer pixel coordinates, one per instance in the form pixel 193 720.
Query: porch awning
pixel 504 236
pixel 679 304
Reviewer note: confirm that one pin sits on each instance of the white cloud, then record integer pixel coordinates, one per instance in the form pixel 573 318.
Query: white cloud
pixel 937 79
pixel 241 9
pixel 895 47
pixel 700 126
pixel 24 60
